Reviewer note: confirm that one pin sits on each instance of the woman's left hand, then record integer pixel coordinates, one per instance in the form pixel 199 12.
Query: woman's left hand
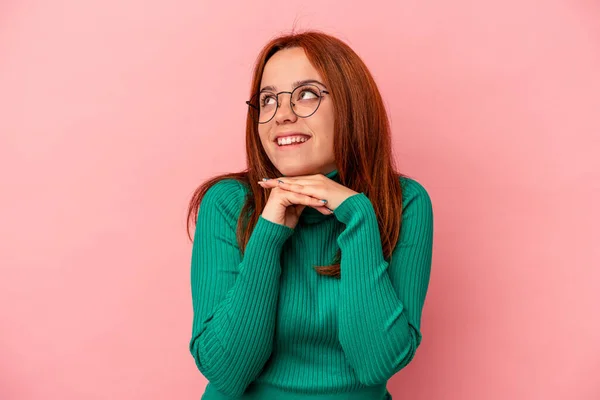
pixel 318 186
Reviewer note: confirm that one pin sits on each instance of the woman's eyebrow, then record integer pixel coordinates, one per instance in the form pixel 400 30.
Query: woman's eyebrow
pixel 295 84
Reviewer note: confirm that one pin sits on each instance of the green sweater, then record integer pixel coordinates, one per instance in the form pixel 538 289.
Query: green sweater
pixel 267 326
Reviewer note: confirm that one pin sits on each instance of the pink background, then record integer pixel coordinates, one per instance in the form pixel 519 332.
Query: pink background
pixel 111 112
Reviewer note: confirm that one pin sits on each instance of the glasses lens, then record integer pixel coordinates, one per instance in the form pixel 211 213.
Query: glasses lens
pixel 263 106
pixel 305 100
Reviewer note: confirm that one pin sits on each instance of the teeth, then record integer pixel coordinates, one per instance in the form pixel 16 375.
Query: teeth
pixel 291 139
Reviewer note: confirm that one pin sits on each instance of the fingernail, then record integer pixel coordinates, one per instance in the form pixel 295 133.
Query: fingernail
pixel 265 179
pixel 280 181
pixel 324 201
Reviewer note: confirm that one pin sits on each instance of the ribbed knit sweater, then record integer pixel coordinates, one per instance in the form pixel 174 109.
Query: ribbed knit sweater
pixel 267 326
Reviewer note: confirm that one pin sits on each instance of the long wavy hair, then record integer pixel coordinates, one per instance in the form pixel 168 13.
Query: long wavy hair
pixel 362 141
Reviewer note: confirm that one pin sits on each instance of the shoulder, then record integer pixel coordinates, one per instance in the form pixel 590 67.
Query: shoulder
pixel 224 189
pixel 226 196
pixel 414 195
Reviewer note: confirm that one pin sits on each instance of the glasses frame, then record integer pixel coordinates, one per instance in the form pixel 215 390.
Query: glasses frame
pixel 321 92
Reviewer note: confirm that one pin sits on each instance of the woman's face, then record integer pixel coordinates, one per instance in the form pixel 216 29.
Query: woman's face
pixel 316 154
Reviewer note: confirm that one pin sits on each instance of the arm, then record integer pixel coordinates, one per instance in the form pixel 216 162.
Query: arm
pixel 234 300
pixel 380 302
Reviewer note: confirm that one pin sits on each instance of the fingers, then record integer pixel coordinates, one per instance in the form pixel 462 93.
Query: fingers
pixel 323 210
pixel 296 185
pixel 288 198
pixel 297 198
pixel 309 201
pixel 314 191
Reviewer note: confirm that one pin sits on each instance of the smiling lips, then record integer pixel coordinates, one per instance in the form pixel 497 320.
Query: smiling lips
pixel 290 142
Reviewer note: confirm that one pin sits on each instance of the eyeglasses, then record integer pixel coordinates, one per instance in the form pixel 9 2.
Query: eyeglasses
pixel 304 102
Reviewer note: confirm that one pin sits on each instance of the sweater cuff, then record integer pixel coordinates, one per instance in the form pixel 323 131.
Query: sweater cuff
pixel 356 204
pixel 275 234
pixel 266 242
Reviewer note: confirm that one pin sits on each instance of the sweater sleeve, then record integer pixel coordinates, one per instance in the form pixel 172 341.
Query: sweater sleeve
pixel 234 299
pixel 381 302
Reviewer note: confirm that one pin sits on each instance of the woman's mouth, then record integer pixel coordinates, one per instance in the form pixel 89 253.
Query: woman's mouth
pixel 291 143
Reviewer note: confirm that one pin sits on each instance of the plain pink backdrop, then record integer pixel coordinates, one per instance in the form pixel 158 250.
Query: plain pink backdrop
pixel 112 112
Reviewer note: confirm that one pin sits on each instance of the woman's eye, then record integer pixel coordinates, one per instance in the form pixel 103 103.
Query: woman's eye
pixel 308 94
pixel 267 100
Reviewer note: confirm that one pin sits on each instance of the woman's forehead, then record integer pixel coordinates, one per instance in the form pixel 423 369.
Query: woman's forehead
pixel 286 68
pixel 302 82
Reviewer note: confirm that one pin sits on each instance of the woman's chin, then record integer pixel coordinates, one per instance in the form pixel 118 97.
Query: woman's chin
pixel 296 171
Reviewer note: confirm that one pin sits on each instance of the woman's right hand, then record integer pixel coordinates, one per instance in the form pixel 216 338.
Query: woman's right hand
pixel 284 207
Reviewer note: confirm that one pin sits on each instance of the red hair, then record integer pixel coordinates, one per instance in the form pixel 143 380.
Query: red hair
pixel 362 141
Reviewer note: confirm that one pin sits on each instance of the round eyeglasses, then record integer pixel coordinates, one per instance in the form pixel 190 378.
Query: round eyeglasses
pixel 304 102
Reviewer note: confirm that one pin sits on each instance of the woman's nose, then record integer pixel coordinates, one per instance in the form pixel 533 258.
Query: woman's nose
pixel 284 110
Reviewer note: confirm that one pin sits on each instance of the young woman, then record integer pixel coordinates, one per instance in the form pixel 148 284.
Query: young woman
pixel 310 268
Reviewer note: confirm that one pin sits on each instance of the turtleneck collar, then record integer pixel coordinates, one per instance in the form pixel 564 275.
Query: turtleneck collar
pixel 310 215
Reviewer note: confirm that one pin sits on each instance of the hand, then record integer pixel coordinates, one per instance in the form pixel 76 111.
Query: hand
pixel 284 207
pixel 316 186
